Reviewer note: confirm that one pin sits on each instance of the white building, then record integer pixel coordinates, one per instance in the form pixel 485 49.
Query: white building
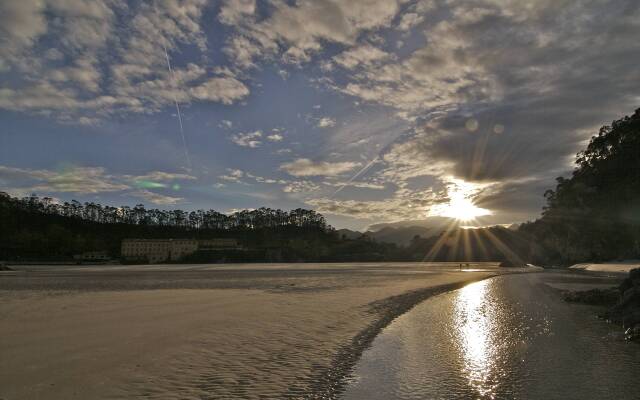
pixel 157 250
pixel 163 250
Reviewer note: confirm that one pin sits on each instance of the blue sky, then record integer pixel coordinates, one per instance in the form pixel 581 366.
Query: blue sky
pixel 367 111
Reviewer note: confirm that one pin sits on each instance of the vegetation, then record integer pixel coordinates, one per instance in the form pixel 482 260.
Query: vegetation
pixel 36 228
pixel 595 214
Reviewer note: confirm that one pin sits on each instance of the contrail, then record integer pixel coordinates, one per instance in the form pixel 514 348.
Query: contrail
pixel 370 163
pixel 175 100
pixel 363 170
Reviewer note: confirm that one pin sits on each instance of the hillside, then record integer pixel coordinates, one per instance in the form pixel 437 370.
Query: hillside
pixel 594 215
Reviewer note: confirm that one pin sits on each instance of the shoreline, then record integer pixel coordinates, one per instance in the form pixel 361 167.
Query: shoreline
pixel 331 383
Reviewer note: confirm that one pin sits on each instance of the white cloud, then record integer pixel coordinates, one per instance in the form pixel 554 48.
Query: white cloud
pixel 224 90
pixel 326 122
pixel 160 176
pixel 275 137
pixel 136 78
pixel 233 175
pixel 21 23
pixel 250 139
pixel 411 158
pixel 234 11
pixel 156 198
pixel 409 20
pixel 306 167
pixel 84 180
pixel 297 31
pixel 363 185
pixel 361 55
pixel 300 187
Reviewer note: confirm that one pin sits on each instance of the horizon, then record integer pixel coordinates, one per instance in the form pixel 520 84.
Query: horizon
pixel 368 112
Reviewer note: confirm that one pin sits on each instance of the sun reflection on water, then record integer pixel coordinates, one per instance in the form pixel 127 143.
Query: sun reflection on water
pixel 476 339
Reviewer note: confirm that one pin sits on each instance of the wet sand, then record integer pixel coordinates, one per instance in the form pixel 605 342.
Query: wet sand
pixel 503 338
pixel 192 332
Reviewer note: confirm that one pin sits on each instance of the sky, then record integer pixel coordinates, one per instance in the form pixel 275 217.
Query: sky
pixel 366 111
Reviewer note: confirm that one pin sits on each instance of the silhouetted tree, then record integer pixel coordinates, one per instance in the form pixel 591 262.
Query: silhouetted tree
pixel 595 214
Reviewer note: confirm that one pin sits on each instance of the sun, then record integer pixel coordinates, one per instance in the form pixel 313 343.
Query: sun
pixel 460 205
pixel 463 210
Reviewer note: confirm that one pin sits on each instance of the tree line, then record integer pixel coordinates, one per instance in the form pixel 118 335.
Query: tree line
pixel 191 220
pixel 34 228
pixel 39 229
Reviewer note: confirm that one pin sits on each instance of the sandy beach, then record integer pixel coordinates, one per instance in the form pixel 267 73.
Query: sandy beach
pixel 192 332
pixel 619 267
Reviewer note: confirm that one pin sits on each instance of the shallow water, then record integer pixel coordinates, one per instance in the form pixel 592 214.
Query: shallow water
pixel 510 337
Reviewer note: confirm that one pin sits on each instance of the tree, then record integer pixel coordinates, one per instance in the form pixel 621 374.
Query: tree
pixel 595 214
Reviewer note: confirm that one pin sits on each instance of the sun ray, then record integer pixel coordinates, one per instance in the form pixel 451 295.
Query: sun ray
pixel 503 248
pixel 480 243
pixel 430 256
pixel 453 251
pixel 466 243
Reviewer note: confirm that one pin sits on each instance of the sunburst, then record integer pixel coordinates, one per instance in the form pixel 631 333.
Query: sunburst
pixel 461 205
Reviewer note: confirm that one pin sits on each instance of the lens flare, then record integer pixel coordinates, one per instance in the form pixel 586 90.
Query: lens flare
pixel 149 185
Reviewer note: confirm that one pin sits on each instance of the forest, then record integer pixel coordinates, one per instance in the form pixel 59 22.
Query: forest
pixel 40 229
pixel 594 215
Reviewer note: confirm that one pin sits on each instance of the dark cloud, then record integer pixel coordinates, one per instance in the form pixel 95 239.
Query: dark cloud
pixel 551 76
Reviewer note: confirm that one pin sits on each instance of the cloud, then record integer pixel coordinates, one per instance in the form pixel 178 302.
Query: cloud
pixel 233 12
pixel 409 20
pixel 156 198
pixel 326 122
pixel 300 187
pixel 511 113
pixel 464 60
pixel 275 137
pixel 403 205
pixel 233 175
pixel 225 90
pixel 306 167
pixel 295 32
pixel 250 139
pixel 362 185
pixel 362 55
pixel 160 176
pixel 108 58
pixel 21 23
pixel 83 180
